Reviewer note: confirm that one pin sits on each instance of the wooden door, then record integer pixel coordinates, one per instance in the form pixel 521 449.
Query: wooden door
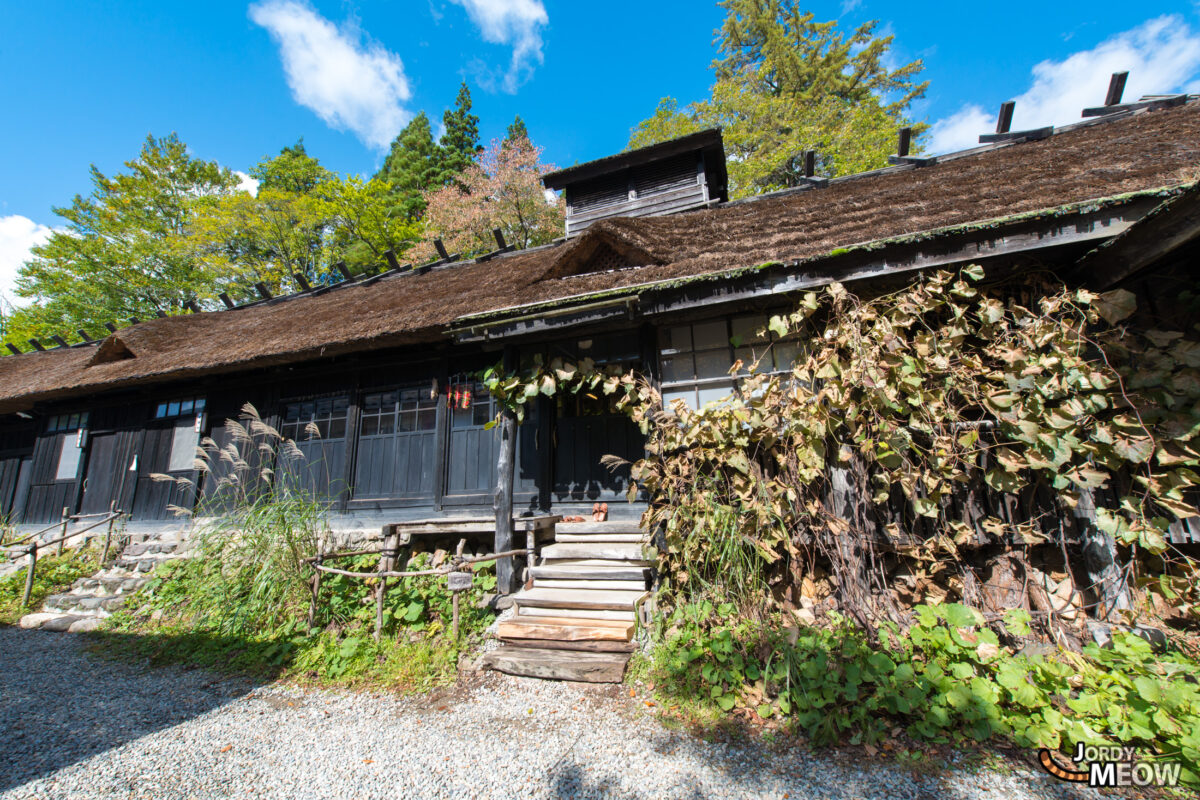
pixel 55 471
pixel 108 478
pixel 397 445
pixel 471 451
pixel 166 477
pixel 586 430
pixel 318 427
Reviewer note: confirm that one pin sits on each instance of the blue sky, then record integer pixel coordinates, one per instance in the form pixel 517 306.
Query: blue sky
pixel 84 82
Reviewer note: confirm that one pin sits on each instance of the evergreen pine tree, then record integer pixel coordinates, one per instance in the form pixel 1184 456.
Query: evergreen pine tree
pixel 413 167
pixel 516 132
pixel 460 143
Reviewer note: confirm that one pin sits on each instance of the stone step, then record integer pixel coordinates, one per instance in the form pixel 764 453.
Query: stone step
pixel 84 604
pixel 616 551
pixel 620 586
pixel 576 571
pixel 578 613
pixel 565 629
pixel 558 664
pixel 598 599
pixel 599 536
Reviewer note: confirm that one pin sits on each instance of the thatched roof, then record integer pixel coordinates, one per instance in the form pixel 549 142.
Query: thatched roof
pixel 1141 152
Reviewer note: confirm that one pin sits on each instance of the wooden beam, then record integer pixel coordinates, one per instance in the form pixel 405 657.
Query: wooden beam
pixel 810 163
pixel 12 348
pixel 1155 103
pixel 1004 119
pixel 905 141
pixel 37 345
pixel 263 291
pixel 83 335
pixel 192 306
pixel 498 235
pixel 1164 230
pixel 507 579
pixel 226 300
pixel 393 262
pixel 58 340
pixel 441 249
pixel 1116 88
pixel 110 327
pixel 134 320
pixel 1032 135
pixel 301 281
pixel 341 268
pixel 161 314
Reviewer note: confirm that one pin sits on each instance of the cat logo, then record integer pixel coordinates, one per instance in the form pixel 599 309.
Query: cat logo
pixel 1113 766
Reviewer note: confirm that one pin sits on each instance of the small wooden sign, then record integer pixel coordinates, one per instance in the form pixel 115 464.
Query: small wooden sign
pixel 459 581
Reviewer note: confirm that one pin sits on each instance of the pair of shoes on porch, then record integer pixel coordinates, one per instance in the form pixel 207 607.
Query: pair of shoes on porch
pixel 599 512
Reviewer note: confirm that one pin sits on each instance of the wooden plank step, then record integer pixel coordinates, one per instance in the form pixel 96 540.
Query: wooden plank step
pixel 578 598
pixel 599 536
pixel 594 550
pixel 589 614
pixel 598 527
pixel 565 629
pixel 558 664
pixel 605 571
pixel 602 646
pixel 591 584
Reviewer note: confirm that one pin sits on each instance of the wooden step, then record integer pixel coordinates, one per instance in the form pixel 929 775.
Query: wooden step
pixel 559 665
pixel 578 598
pixel 565 629
pixel 603 571
pixel 598 527
pixel 599 536
pixel 590 614
pixel 618 586
pixel 602 646
pixel 617 551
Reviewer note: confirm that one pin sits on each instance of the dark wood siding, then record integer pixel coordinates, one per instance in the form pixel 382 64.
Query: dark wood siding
pixel 154 497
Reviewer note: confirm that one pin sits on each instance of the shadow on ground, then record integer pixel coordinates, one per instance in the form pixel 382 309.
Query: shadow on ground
pixel 57 708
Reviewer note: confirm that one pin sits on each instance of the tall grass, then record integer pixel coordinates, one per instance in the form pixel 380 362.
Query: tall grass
pixel 254 531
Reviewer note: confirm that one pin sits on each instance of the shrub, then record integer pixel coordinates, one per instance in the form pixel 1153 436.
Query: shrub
pixel 948 677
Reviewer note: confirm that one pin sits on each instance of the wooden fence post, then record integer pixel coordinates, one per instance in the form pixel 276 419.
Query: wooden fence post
pixel 112 510
pixel 33 548
pixel 66 520
pixel 387 560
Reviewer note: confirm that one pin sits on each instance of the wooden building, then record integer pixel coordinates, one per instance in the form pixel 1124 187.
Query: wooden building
pixel 658 272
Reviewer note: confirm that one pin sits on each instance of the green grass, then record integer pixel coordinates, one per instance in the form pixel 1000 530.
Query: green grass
pixel 54 574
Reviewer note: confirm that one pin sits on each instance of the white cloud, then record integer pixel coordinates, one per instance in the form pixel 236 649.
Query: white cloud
pixel 850 5
pixel 350 83
pixel 960 130
pixel 515 22
pixel 1161 55
pixel 246 183
pixel 18 235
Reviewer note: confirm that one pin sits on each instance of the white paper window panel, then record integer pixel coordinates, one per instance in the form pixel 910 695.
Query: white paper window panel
pixel 710 334
pixel 183 447
pixel 677 368
pixel 68 459
pixel 685 393
pixel 745 329
pixel 675 340
pixel 714 393
pixel 713 364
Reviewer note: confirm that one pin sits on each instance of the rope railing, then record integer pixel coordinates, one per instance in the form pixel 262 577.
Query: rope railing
pixel 458 564
pixel 32 549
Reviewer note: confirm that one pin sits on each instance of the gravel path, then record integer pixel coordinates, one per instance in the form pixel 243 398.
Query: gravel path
pixel 76 726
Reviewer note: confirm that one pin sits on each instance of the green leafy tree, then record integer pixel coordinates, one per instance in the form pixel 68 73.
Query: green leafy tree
pixel 412 167
pixel 293 170
pixel 459 145
pixel 121 252
pixel 786 84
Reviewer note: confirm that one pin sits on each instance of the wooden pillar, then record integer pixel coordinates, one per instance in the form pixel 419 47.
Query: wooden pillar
pixel 387 563
pixel 1101 560
pixel 66 521
pixel 507 581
